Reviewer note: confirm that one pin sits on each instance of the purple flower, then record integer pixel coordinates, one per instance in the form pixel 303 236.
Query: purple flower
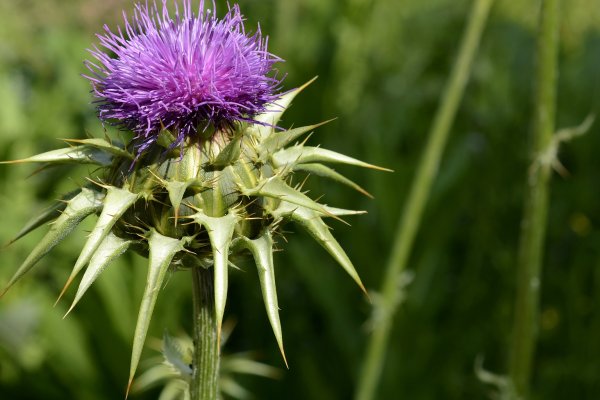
pixel 182 73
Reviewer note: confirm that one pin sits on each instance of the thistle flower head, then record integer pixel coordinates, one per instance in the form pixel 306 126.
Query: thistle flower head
pixel 183 72
pixel 188 203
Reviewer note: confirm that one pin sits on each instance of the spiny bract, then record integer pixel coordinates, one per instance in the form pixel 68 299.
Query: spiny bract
pixel 195 206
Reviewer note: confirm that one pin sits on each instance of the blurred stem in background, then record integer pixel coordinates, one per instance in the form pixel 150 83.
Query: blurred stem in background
pixel 385 307
pixel 533 225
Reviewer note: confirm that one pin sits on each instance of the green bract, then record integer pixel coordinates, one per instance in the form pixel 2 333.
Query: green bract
pixel 194 206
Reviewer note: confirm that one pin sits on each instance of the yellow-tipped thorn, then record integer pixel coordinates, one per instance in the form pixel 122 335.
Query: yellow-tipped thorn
pixel 343 222
pixel 69 310
pixel 366 293
pixel 19 161
pixel 301 88
pixel 378 168
pixel 363 191
pixel 128 387
pixel 330 215
pixel 219 338
pixel 287 366
pixel 64 290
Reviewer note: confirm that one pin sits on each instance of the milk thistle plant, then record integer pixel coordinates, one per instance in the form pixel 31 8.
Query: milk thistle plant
pixel 207 175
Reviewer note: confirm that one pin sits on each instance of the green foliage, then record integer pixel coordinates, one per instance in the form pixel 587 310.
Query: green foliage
pixel 381 66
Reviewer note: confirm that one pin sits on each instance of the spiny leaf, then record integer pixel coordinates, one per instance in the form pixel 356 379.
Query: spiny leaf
pixel 220 232
pixel 326 172
pixel 105 145
pixel 110 248
pixel 116 202
pixel 79 207
pixel 166 139
pixel 176 190
pixel 49 214
pixel 341 212
pixel 279 139
pixel 262 251
pixel 162 250
pixel 314 225
pixel 274 187
pixel 230 154
pixel 83 154
pixel 269 120
pixel 306 154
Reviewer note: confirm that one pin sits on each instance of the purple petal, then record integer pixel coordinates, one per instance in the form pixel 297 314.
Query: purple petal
pixel 182 72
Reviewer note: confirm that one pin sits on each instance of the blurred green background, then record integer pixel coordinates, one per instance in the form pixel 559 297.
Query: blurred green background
pixel 381 66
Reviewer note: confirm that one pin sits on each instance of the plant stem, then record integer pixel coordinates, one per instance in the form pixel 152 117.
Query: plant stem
pixel 417 198
pixel 533 225
pixel 205 375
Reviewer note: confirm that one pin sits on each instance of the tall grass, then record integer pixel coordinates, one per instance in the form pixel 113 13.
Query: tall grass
pixel 391 290
pixel 535 214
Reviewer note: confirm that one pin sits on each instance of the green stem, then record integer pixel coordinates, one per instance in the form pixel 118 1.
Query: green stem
pixel 205 375
pixel 533 225
pixel 417 198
